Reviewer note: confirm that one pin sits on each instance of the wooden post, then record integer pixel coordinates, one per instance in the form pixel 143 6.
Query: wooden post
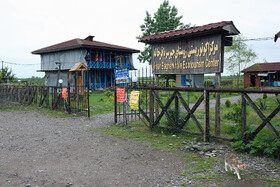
pixel 218 103
pixel 116 110
pixel 38 96
pixel 69 96
pixel 176 111
pixel 157 84
pixel 151 109
pixel 88 90
pixel 206 136
pixel 243 116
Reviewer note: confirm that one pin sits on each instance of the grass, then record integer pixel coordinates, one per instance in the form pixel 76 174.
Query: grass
pixel 158 138
pixel 45 111
pixel 199 169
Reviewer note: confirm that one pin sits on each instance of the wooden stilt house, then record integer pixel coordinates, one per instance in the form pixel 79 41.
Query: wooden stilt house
pixel 63 60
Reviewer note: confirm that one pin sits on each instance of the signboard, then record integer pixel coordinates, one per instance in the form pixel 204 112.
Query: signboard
pixel 122 76
pixel 120 94
pixel 64 92
pixel 134 100
pixel 193 56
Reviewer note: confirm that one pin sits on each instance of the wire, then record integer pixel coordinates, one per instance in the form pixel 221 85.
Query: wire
pixel 257 39
pixel 12 63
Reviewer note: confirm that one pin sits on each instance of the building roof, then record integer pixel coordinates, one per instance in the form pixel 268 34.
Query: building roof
pixel 263 67
pixel 79 67
pixel 87 43
pixel 226 27
pixel 277 35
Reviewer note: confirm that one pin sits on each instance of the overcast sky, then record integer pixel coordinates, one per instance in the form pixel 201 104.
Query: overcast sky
pixel 28 25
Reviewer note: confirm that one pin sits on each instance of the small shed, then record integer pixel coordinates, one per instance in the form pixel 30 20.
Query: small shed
pixel 262 75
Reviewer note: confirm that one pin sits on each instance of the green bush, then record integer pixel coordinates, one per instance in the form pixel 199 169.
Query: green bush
pixel 172 115
pixel 262 145
pixel 228 103
pixel 262 104
pixel 234 115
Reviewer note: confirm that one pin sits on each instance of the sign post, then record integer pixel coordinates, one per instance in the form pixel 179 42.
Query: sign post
pixel 134 100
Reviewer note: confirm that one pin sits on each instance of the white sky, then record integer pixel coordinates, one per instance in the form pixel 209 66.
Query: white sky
pixel 28 25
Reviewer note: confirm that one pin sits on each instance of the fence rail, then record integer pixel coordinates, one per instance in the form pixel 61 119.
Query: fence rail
pixel 153 107
pixel 46 96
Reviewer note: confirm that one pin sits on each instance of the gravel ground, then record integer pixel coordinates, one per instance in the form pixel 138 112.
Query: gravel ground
pixel 37 150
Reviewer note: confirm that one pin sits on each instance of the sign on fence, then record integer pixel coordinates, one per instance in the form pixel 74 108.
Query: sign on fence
pixel 120 94
pixel 64 92
pixel 122 76
pixel 134 100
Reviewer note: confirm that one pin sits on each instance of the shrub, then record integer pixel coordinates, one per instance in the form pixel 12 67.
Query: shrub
pixel 234 115
pixel 262 105
pixel 262 145
pixel 195 96
pixel 172 115
pixel 228 103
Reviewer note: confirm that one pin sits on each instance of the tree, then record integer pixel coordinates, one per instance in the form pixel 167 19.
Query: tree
pixel 240 55
pixel 7 73
pixel 165 19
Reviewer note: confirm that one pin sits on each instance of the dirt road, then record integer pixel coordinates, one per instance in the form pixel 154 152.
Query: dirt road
pixel 37 150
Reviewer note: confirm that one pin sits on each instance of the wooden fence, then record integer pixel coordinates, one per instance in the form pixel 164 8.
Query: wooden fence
pixel 152 109
pixel 46 96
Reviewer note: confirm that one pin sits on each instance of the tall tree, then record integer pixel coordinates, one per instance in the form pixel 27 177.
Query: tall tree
pixel 6 73
pixel 165 19
pixel 240 56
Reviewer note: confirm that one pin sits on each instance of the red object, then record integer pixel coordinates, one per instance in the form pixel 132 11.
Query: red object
pixel 64 92
pixel 120 94
pixel 263 67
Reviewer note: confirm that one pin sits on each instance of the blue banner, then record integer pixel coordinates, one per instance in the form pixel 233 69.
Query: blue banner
pixel 121 76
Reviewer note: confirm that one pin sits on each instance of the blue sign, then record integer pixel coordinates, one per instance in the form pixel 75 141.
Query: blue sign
pixel 121 76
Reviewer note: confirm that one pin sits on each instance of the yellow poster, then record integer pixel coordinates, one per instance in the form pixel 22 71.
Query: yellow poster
pixel 134 100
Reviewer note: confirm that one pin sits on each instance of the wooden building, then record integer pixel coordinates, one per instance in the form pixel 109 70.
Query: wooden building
pixel 67 59
pixel 262 75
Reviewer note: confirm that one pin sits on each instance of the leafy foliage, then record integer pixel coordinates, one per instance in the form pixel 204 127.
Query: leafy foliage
pixel 239 56
pixel 228 103
pixel 262 104
pixel 165 19
pixel 234 115
pixel 262 145
pixel 7 73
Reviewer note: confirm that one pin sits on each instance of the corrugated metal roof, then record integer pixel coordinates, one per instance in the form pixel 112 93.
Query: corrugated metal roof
pixel 80 43
pixel 227 27
pixel 263 67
